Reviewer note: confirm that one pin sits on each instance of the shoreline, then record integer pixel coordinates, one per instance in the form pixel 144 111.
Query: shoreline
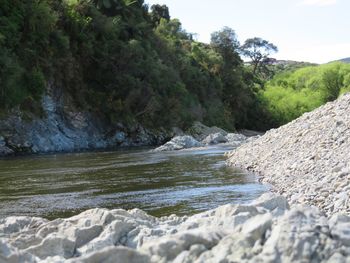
pixel 266 230
pixel 306 160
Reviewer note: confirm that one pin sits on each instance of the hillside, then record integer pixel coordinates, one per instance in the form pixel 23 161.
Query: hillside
pixel 121 61
pixel 345 60
pixel 88 74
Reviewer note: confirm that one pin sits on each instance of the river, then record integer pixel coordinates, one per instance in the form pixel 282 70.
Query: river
pixel 182 182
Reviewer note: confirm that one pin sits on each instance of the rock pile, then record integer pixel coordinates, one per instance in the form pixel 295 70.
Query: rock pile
pixel 186 141
pixel 265 231
pixel 307 160
pixel 201 135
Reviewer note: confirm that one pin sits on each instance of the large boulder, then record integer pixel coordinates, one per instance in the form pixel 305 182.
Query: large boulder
pixel 179 143
pixel 199 131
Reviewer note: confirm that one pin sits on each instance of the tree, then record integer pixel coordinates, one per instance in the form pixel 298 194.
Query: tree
pixel 226 44
pixel 236 94
pixel 258 50
pixel 158 12
pixel 114 7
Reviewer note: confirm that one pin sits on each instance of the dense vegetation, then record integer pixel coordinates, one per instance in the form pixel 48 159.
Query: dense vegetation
pixel 291 93
pixel 121 61
pixel 126 62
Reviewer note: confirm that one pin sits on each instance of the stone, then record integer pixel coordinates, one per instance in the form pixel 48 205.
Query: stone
pixel 199 131
pixel 119 137
pixel 186 141
pixel 113 254
pixel 179 143
pixel 9 254
pixel 230 233
pixel 235 137
pixel 215 138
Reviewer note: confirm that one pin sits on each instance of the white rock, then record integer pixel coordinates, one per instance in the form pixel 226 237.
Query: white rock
pixel 215 138
pixel 230 233
pixel 179 143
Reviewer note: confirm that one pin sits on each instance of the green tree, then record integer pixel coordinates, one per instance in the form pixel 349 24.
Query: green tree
pixel 226 43
pixel 237 93
pixel 258 50
pixel 159 12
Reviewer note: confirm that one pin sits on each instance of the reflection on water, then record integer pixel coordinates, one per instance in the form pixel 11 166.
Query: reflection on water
pixel 160 183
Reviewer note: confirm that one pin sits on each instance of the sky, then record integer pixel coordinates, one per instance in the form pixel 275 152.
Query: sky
pixel 315 31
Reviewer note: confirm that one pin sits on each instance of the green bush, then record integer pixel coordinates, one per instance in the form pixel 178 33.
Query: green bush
pixel 289 94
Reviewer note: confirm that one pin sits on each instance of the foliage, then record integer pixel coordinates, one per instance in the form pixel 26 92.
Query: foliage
pixel 258 50
pixel 121 62
pixel 126 63
pixel 159 12
pixel 289 94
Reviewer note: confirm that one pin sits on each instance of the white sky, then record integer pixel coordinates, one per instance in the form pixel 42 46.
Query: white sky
pixel 303 30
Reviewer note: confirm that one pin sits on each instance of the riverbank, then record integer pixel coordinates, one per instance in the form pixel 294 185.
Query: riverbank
pixel 62 127
pixel 307 160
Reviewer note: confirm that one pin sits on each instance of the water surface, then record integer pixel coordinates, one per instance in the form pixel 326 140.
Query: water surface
pixel 182 182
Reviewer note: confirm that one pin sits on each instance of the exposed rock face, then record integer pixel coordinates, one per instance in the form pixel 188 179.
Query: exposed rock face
pixel 265 231
pixel 307 160
pixel 65 128
pixel 179 143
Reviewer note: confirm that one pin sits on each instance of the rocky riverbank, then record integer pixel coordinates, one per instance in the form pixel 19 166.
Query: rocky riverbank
pixel 187 141
pixel 200 135
pixel 264 231
pixel 63 128
pixel 307 160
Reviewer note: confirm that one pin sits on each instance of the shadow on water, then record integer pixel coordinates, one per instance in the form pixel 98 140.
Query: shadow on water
pixel 182 182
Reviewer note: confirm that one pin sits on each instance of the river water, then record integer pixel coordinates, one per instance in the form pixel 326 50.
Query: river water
pixel 182 182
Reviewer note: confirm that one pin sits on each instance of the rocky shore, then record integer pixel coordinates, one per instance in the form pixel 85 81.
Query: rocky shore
pixel 264 231
pixel 200 135
pixel 63 128
pixel 306 220
pixel 307 160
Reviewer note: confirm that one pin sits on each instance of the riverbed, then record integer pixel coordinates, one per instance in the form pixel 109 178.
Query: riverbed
pixel 182 182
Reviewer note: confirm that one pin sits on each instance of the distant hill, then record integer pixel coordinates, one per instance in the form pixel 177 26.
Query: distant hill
pixel 345 60
pixel 288 65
